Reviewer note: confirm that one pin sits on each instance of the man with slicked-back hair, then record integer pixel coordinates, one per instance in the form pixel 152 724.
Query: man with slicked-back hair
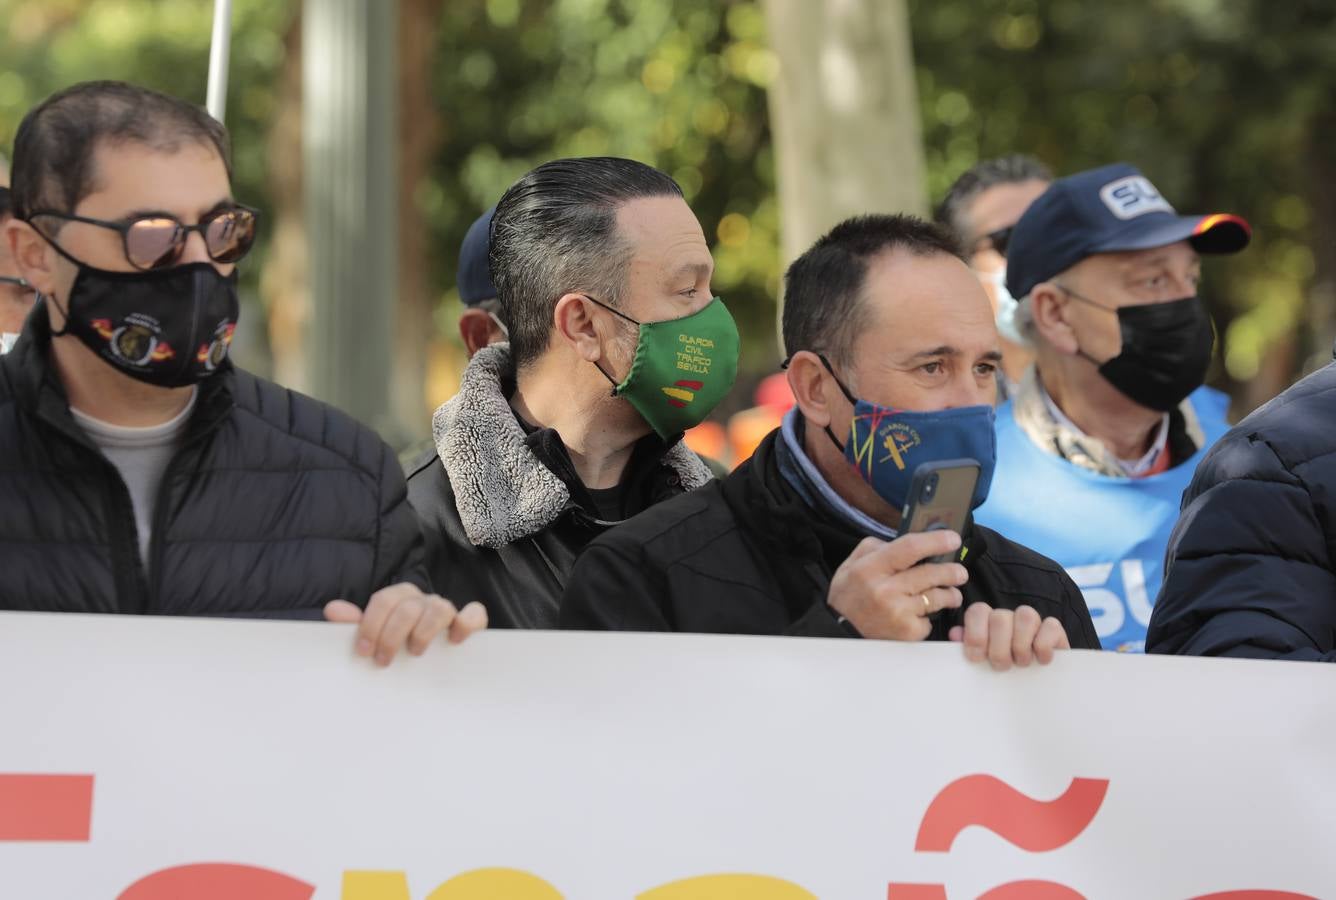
pixel 616 347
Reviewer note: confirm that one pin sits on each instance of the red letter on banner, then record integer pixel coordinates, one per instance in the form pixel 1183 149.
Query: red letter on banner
pixel 907 891
pixel 218 881
pixel 1032 890
pixel 1255 895
pixel 46 807
pixel 991 803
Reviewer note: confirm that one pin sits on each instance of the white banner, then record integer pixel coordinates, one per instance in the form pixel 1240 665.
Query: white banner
pixel 146 759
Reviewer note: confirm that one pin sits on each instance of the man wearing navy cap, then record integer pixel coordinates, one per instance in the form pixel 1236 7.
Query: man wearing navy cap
pixel 1106 428
pixel 480 323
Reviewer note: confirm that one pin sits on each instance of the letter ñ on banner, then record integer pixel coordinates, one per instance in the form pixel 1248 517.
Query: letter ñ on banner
pixel 1034 825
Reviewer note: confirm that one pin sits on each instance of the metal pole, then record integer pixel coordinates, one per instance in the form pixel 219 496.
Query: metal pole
pixel 219 52
pixel 350 179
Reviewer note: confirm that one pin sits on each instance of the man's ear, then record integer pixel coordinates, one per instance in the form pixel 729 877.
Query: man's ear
pixel 475 327
pixel 573 322
pixel 1048 308
pixel 818 396
pixel 34 257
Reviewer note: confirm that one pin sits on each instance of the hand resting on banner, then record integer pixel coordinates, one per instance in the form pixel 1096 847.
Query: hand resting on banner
pixel 886 590
pixel 402 616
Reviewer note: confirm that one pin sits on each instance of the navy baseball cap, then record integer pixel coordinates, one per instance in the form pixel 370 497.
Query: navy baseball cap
pixel 1106 210
pixel 475 278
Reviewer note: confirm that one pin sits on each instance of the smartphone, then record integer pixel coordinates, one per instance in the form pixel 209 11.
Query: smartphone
pixel 940 496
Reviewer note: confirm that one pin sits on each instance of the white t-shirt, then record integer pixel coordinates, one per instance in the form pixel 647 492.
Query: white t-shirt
pixel 141 456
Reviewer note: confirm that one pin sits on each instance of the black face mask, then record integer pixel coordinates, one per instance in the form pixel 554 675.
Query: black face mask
pixel 1166 351
pixel 169 327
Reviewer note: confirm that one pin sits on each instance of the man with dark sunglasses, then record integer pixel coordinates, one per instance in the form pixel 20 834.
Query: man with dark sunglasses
pixel 16 295
pixel 982 208
pixel 142 472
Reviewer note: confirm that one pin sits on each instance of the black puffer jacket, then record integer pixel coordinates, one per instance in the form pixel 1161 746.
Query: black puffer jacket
pixel 274 505
pixel 1251 566
pixel 502 508
pixel 747 555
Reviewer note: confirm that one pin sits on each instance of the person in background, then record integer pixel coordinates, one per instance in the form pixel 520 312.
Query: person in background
pixel 893 357
pixel 141 471
pixel 617 346
pixel 1105 430
pixel 981 208
pixel 480 323
pixel 16 295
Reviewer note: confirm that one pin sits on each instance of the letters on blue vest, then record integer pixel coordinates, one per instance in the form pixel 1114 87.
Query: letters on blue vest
pixel 1109 534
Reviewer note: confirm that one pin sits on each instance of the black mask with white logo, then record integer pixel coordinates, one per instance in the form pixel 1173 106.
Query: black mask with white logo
pixel 1166 352
pixel 169 327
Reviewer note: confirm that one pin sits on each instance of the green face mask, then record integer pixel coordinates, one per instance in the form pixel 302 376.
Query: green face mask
pixel 682 367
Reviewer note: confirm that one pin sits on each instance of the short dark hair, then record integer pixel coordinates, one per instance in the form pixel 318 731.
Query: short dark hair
pixel 6 204
pixel 555 231
pixel 54 146
pixel 823 289
pixel 1015 169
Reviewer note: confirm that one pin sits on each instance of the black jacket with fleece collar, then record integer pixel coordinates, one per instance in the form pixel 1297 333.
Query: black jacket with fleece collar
pixel 502 509
pixel 747 555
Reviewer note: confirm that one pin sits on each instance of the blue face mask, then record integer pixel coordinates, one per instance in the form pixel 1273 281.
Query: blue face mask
pixel 886 445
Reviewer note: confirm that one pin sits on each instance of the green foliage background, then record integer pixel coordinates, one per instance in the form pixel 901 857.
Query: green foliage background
pixel 1227 106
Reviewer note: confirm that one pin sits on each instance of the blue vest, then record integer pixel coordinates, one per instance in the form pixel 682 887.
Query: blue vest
pixel 1109 534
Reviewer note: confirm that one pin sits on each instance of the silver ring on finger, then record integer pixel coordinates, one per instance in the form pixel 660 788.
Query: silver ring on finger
pixel 927 605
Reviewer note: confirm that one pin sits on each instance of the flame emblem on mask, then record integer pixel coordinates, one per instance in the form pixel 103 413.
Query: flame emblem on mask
pixel 212 355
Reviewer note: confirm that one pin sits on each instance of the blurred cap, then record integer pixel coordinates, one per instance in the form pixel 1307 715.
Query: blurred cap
pixel 475 278
pixel 1106 210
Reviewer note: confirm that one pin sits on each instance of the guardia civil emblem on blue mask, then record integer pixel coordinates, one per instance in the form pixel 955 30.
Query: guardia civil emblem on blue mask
pixel 886 444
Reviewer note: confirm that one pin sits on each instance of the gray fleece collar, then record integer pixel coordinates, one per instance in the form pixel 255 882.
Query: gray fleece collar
pixel 503 492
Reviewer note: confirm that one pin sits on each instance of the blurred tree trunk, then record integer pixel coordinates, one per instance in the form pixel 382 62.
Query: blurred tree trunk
pixel 419 139
pixel 283 284
pixel 844 113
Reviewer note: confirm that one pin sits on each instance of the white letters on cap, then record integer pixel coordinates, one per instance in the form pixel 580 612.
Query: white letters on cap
pixel 1133 196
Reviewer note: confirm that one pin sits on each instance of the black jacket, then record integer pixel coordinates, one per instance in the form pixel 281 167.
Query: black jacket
pixel 1249 569
pixel 273 505
pixel 748 555
pixel 502 509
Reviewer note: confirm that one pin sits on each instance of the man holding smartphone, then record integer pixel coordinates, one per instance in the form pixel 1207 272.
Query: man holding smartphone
pixel 893 359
